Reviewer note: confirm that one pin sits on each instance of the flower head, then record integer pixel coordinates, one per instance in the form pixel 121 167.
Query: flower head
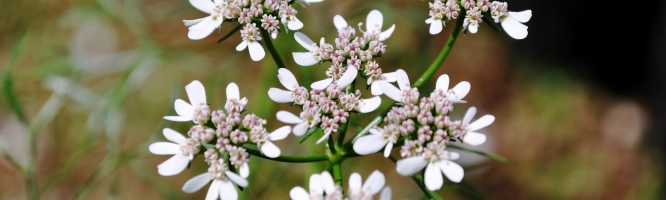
pixel 197 111
pixel 183 151
pixel 223 182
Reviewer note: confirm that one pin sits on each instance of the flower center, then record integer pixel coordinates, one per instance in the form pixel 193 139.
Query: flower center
pixel 190 147
pixel 217 169
pixel 458 129
pixel 201 113
pixel 435 152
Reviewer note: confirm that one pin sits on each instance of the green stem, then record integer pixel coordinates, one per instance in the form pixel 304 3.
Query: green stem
pixel 419 181
pixel 337 174
pixel 253 150
pixel 442 56
pixel 331 145
pixel 271 48
pixel 486 154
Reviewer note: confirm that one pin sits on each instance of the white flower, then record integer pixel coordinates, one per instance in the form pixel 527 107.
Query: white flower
pixel 466 129
pixel 306 58
pixel 288 80
pixel 302 125
pixel 375 87
pixel 321 186
pixel 455 94
pixel 377 139
pixel 369 105
pixel 405 94
pixel 373 24
pixel 251 38
pixel 182 149
pixel 223 182
pixel 234 102
pixel 513 26
pixel 198 111
pixel 267 147
pixel 202 27
pixel 364 191
pixel 472 19
pixel 436 161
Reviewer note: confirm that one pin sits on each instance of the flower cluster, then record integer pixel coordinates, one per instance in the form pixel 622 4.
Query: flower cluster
pixel 252 15
pixel 322 186
pixel 423 126
pixel 352 54
pixel 443 11
pixel 222 134
pixel 327 109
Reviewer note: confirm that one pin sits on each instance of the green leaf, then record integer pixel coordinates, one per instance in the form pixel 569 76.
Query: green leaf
pixel 308 134
pixel 8 82
pixel 208 146
pixel 229 34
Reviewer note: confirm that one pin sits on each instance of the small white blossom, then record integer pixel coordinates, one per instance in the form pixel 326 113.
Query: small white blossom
pixel 377 139
pixel 472 19
pixel 405 93
pixel 234 104
pixel 466 130
pixel 364 191
pixel 311 57
pixel 436 161
pixel 223 182
pixel 512 22
pixel 202 27
pixel 455 94
pixel 263 139
pixel 198 111
pixel 301 126
pixel 321 186
pixel 182 149
pixel 251 38
pixel 295 93
pixel 373 24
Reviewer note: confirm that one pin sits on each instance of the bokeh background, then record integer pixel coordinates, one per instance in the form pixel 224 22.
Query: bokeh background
pixel 579 102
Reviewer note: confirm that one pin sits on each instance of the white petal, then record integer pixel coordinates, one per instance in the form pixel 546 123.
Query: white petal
pixel 189 23
pixel 214 190
pixel 433 177
pixel 321 85
pixel 178 118
pixel 452 155
pixel 386 193
pixel 391 91
pixel 387 149
pixel 173 136
pixel 474 138
pixel 411 165
pixel 326 135
pixel 183 108
pixel 288 117
pixel 164 148
pixel 274 34
pixel 241 46
pixel 453 171
pixel 386 34
pixel 287 79
pixel 204 28
pixel 369 144
pixel 316 185
pixel 304 40
pixel 196 93
pixel 295 24
pixel 375 182
pixel 355 181
pixel 280 133
pixel 299 193
pixel 173 165
pixel 522 16
pixel 327 182
pixel 473 28
pixel 443 83
pixel 371 104
pixel 348 77
pixel 389 77
pixel 436 27
pixel 244 170
pixel 374 21
pixel 270 150
pixel 375 88
pixel 232 91
pixel 481 123
pixel 461 90
pixel 227 191
pixel 304 58
pixel 429 20
pixel 240 181
pixel 256 51
pixel 403 79
pixel 197 182
pixel 376 131
pixel 514 28
pixel 280 96
pixel 206 6
pixel 300 129
pixel 469 115
pixel 339 22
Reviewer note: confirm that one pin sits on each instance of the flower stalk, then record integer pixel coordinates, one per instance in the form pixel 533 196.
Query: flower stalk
pixel 271 48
